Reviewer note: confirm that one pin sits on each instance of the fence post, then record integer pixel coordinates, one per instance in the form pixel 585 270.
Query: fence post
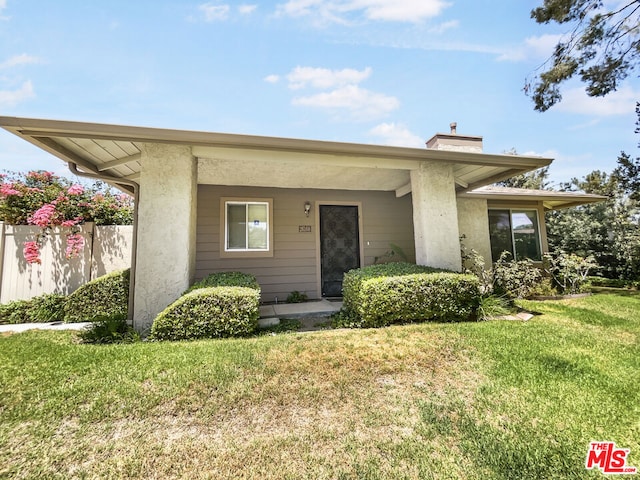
pixel 2 240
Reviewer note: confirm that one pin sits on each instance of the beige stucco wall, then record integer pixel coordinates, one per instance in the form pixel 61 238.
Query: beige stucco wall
pixel 294 264
pixel 437 238
pixel 473 223
pixel 166 229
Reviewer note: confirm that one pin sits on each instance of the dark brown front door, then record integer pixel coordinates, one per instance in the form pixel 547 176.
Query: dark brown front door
pixel 339 246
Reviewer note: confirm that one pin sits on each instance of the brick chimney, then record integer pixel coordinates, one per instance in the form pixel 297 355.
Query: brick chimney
pixel 453 141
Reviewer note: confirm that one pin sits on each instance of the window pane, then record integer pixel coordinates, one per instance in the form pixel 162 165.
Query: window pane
pixel 500 233
pixel 257 225
pixel 236 227
pixel 525 234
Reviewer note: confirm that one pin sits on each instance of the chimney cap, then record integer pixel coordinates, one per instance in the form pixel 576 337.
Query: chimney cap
pixel 453 126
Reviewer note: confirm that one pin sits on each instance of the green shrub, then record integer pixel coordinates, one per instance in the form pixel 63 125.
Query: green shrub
pixel 113 329
pixel 212 312
pixel 15 312
pixel 515 279
pixel 296 297
pixel 612 282
pixel 380 295
pixel 569 271
pixel 47 308
pixel 226 279
pixel 106 296
pixel 492 306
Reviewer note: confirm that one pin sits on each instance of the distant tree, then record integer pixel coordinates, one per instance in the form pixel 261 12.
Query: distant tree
pixel 602 46
pixel 537 179
pixel 628 170
pixel 608 231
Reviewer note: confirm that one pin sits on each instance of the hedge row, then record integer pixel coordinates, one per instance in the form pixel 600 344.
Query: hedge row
pixel 106 296
pixel 103 297
pixel 380 295
pixel 212 308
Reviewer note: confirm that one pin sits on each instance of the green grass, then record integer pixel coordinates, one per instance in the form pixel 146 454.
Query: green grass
pixel 497 399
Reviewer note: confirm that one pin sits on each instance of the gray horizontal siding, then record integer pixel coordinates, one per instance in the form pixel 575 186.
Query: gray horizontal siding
pixel 385 219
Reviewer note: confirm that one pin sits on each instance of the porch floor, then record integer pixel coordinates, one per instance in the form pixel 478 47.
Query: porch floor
pixel 316 308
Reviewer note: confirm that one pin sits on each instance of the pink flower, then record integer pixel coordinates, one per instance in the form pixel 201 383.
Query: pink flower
pixel 75 190
pixel 40 175
pixel 8 189
pixel 71 223
pixel 43 217
pixel 31 252
pixel 75 243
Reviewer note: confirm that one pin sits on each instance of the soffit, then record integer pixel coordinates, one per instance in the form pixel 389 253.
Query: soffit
pixel 232 159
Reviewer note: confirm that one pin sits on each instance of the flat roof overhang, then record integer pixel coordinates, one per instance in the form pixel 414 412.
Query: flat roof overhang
pixel 114 151
pixel 551 200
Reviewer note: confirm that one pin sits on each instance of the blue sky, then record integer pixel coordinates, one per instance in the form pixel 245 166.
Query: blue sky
pixel 390 72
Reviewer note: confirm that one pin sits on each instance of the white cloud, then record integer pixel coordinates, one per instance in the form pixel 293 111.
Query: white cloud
pixel 3 5
pixel 247 9
pixel 10 98
pixel 443 27
pixel 413 11
pixel 397 135
pixel 272 78
pixel 213 12
pixel 359 102
pixel 621 102
pixel 533 47
pixel 301 77
pixel 22 59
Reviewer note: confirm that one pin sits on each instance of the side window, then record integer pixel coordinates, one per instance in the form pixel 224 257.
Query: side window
pixel 516 231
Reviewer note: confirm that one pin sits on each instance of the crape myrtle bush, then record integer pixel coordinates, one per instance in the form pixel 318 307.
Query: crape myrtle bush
pixel 221 305
pixel 46 200
pixel 105 296
pixel 380 295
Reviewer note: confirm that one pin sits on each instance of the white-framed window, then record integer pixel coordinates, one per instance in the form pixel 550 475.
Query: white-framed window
pixel 246 226
pixel 516 231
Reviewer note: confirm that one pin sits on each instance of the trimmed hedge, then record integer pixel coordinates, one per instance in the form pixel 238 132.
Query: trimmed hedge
pixel 380 295
pixel 226 279
pixel 213 312
pixel 43 308
pixel 105 296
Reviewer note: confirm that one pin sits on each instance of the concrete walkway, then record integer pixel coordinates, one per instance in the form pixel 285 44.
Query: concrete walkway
pixel 269 315
pixel 23 327
pixel 311 314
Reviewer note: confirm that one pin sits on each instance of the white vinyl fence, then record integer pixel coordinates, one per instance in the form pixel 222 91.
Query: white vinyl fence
pixel 106 249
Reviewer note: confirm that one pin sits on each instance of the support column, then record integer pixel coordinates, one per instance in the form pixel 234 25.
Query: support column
pixel 165 259
pixel 435 216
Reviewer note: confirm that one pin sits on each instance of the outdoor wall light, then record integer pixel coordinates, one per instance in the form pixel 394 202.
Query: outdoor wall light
pixel 307 208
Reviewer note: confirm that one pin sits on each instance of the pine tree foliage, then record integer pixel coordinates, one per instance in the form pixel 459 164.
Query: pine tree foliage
pixel 602 47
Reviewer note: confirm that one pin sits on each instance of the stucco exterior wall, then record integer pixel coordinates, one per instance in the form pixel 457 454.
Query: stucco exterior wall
pixel 294 264
pixel 435 216
pixel 166 229
pixel 473 223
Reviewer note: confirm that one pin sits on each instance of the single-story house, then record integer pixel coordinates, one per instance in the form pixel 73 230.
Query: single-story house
pixel 297 213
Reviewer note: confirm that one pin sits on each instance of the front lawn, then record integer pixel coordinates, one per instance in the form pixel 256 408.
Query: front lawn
pixel 500 399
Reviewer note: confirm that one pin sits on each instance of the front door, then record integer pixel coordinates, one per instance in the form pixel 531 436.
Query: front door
pixel 339 246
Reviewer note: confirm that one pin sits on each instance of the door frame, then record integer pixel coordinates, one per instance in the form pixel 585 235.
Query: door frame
pixel 340 203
